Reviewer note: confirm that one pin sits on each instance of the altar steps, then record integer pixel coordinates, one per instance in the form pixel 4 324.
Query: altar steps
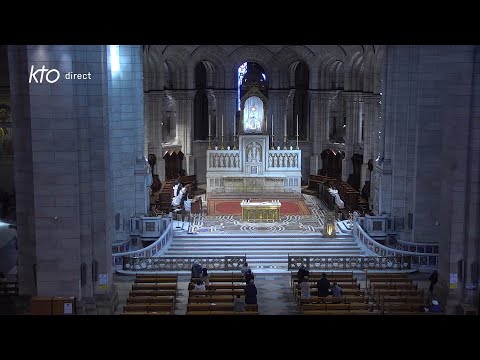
pixel 262 251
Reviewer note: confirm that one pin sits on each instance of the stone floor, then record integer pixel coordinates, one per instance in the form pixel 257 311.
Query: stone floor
pixel 274 297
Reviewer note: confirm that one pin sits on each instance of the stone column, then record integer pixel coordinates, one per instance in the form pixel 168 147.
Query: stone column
pixel 278 106
pixel 65 206
pixel 321 139
pixel 230 101
pixel 154 115
pixel 185 127
pixel 370 103
pixel 352 112
pixel 315 130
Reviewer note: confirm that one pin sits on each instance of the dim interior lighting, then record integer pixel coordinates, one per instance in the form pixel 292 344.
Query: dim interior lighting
pixel 380 93
pixel 115 58
pixel 344 126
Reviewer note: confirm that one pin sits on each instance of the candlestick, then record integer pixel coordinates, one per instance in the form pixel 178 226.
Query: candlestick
pixel 209 125
pixel 297 124
pixel 285 125
pixel 234 125
pixel 222 126
pixel 209 142
pixel 272 124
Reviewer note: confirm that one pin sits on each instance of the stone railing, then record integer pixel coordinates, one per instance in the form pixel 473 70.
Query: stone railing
pixel 417 247
pixel 223 159
pixel 350 263
pixel 137 263
pixel 423 260
pixel 153 250
pixel 284 159
pixel 121 246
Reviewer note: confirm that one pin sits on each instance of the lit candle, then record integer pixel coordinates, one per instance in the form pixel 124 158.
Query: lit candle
pixel 285 126
pixel 297 124
pixel 234 126
pixel 209 125
pixel 222 125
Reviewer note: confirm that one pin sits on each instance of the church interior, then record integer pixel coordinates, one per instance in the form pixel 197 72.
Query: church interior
pixel 126 170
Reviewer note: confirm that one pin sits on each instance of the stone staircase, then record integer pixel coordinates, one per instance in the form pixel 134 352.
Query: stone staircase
pixel 263 251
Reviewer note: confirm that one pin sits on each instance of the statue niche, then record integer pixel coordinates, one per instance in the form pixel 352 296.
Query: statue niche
pixel 253 152
pixel 254 112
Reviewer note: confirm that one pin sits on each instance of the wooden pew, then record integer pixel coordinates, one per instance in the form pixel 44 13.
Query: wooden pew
pixel 156 293
pixel 151 300
pixel 154 286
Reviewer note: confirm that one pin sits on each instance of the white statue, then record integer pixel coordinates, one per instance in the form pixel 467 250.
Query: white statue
pixel 270 161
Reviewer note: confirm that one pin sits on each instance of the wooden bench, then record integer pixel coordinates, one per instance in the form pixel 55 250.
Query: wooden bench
pixel 148 307
pixel 154 286
pixel 331 307
pixel 168 276
pixel 219 307
pixel 210 299
pixel 147 313
pixel 151 300
pixel 223 312
pixel 330 299
pixel 391 308
pixel 232 292
pixel 225 286
pixel 332 276
pixel 156 293
pixel 339 312
pixel 155 280
pixel 386 274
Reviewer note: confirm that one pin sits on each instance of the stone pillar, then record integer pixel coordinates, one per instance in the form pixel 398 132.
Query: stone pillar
pixel 185 127
pixel 277 107
pixel 69 195
pixel 370 104
pixel 154 115
pixel 352 110
pixel 315 126
pixel 230 100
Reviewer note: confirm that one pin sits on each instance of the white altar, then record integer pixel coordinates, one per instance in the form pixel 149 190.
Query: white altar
pixel 260 211
pixel 254 167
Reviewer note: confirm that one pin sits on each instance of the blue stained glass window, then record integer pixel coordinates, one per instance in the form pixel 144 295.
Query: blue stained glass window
pixel 242 70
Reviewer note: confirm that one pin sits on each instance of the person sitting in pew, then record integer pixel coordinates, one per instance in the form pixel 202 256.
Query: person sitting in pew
pixel 323 286
pixel 239 303
pixel 200 286
pixel 305 288
pixel 336 293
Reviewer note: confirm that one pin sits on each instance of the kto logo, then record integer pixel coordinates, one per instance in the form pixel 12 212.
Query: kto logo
pixel 51 75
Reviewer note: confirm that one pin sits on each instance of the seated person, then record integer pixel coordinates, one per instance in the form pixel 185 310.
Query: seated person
pixel 337 293
pixel 239 303
pixel 200 286
pixel 434 308
pixel 196 270
pixel 323 286
pixel 305 288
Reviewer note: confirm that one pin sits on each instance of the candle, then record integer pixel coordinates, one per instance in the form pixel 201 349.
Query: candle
pixel 209 125
pixel 285 126
pixel 234 126
pixel 297 124
pixel 272 124
pixel 222 125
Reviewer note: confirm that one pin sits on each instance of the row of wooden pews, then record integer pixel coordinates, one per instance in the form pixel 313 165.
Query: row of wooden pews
pixel 352 302
pixel 219 296
pixel 396 294
pixel 319 185
pixel 152 295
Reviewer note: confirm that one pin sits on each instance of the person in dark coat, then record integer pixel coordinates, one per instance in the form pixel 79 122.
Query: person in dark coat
pixel 249 276
pixel 323 286
pixel 250 293
pixel 302 272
